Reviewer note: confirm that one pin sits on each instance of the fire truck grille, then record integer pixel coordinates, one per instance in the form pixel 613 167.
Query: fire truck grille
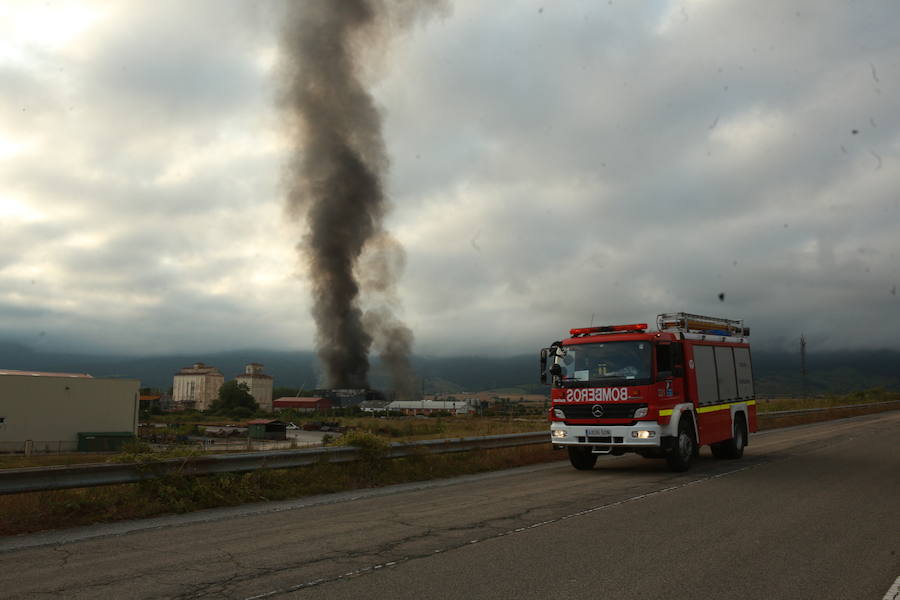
pixel 600 439
pixel 619 410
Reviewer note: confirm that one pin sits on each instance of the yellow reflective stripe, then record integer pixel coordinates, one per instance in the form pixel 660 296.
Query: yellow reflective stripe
pixel 706 409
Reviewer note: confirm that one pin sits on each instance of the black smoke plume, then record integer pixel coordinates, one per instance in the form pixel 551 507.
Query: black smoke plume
pixel 336 181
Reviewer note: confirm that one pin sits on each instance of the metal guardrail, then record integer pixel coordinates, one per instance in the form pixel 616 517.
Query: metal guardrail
pixel 35 479
pixel 802 411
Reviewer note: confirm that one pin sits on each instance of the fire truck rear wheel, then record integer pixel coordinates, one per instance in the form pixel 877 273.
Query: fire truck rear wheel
pixel 683 447
pixel 582 458
pixel 734 448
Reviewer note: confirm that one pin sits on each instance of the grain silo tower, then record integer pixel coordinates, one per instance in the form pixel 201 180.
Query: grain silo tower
pixel 259 384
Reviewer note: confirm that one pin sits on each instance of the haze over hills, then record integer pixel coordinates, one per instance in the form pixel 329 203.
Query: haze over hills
pixel 775 373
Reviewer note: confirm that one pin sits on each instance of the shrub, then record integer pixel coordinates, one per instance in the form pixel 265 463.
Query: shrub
pixel 241 412
pixel 373 450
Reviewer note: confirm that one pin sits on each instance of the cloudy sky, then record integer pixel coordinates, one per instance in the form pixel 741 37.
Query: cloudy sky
pixel 552 162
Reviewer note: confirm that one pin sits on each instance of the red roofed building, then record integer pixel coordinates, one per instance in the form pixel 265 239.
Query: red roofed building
pixel 303 404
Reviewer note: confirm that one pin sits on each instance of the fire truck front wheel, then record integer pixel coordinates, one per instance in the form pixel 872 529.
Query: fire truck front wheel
pixel 582 458
pixel 683 448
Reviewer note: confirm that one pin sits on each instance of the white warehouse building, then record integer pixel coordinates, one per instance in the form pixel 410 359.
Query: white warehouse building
pixel 427 407
pixel 48 411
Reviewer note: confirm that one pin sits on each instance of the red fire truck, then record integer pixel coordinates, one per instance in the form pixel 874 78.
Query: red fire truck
pixel 661 394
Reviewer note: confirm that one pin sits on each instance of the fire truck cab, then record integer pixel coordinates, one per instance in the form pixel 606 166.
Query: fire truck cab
pixel 661 394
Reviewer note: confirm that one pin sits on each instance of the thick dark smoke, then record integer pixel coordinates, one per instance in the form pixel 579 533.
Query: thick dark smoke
pixel 336 180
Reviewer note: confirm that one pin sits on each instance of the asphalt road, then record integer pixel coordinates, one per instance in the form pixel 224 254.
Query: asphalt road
pixel 810 512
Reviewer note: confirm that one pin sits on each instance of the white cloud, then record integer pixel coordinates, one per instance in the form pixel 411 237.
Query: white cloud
pixel 614 160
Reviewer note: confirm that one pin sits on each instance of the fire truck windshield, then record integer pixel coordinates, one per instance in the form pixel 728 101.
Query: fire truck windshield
pixel 605 363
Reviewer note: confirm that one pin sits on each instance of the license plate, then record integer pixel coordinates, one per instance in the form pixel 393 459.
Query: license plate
pixel 593 432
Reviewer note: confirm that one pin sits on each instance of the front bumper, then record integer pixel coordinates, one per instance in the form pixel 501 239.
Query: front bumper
pixel 644 434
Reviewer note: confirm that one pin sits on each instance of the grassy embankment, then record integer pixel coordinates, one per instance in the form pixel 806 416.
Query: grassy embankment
pixel 67 508
pixel 768 421
pixel 36 511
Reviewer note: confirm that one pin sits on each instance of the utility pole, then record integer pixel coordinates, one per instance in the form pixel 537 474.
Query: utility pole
pixel 803 363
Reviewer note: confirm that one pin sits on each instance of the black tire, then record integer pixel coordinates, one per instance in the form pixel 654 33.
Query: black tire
pixel 718 450
pixel 582 458
pixel 684 446
pixel 734 448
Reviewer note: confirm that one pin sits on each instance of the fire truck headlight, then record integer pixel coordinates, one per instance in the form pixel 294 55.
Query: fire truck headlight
pixel 641 412
pixel 558 413
pixel 643 434
pixel 559 433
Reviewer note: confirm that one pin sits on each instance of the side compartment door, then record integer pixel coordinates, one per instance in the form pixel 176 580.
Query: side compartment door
pixel 714 424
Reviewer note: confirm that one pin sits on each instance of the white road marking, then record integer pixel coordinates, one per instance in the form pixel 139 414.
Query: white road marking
pixel 894 592
pixel 581 513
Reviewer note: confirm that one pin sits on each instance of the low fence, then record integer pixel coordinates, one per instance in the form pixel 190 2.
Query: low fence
pixel 31 447
pixel 32 479
pixel 39 447
pixel 786 418
pixel 250 444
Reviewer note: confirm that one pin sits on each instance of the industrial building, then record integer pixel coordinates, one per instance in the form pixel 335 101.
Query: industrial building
pixel 52 411
pixel 428 407
pixel 259 384
pixel 303 404
pixel 346 398
pixel 196 386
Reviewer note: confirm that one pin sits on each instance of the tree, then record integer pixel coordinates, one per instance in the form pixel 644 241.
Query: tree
pixel 234 396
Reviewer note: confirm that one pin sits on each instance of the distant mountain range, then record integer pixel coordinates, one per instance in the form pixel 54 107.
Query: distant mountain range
pixel 775 373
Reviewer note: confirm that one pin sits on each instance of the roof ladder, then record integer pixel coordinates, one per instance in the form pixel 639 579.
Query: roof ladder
pixel 690 323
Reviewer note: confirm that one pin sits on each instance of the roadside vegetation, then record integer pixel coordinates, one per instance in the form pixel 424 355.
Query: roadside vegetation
pixel 36 511
pixel 23 513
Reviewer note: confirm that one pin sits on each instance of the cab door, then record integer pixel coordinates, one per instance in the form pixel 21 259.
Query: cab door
pixel 667 374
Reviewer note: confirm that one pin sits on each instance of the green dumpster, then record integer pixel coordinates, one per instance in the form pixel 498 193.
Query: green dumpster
pixel 103 441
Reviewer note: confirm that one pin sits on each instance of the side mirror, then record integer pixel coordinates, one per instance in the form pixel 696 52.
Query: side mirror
pixel 544 353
